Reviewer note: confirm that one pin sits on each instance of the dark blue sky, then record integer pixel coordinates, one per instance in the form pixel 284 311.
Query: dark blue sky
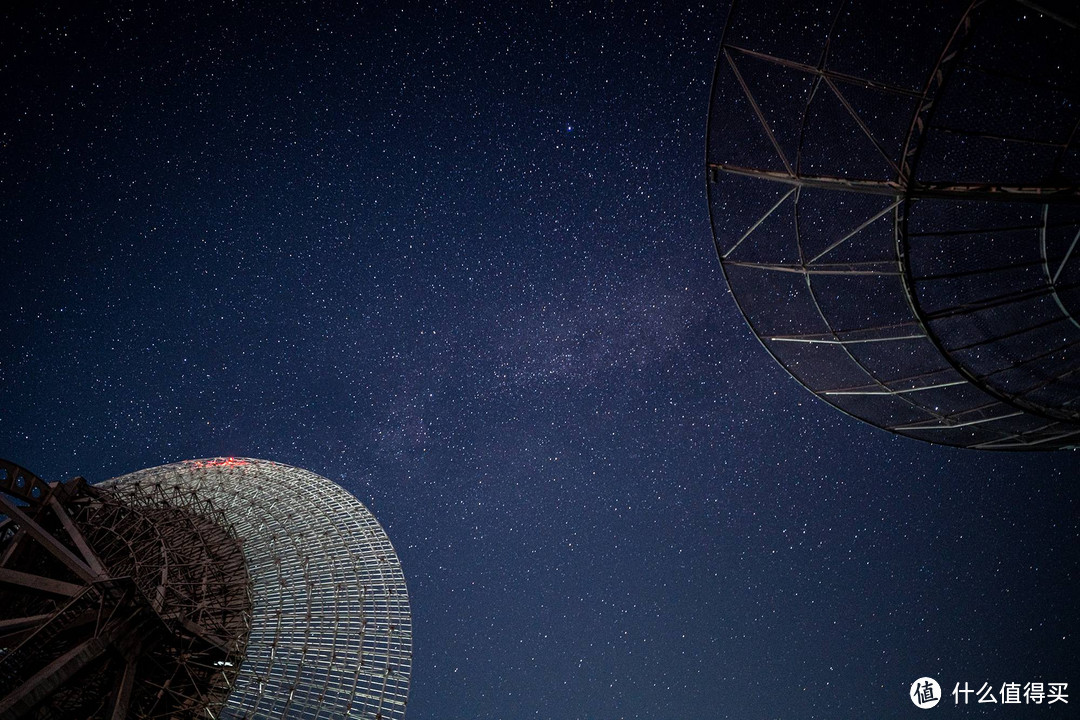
pixel 457 258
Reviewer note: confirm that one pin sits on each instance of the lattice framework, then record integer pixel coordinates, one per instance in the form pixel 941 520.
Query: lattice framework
pixel 894 197
pixel 331 626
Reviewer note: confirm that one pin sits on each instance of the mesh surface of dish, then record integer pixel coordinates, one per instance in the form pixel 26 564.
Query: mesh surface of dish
pixel 894 197
pixel 331 633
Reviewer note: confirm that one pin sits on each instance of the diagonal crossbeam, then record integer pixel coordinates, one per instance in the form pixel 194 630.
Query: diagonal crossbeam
pixel 50 543
pixel 40 583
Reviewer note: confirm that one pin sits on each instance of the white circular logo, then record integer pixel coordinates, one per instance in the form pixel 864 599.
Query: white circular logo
pixel 925 692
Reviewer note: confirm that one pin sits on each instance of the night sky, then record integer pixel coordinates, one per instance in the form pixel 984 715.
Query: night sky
pixel 458 259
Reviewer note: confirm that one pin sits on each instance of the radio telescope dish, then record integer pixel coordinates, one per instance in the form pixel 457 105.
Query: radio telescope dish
pixel 226 588
pixel 895 199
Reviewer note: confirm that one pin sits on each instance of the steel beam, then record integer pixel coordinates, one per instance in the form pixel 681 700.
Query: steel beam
pixel 50 543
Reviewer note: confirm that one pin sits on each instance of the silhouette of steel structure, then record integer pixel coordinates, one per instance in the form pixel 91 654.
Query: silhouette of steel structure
pixel 222 588
pixel 894 195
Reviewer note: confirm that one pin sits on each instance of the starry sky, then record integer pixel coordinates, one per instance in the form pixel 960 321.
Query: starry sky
pixel 456 256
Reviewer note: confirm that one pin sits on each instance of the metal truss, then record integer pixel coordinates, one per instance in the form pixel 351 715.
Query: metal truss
pixel 223 588
pixel 331 625
pixel 110 607
pixel 895 202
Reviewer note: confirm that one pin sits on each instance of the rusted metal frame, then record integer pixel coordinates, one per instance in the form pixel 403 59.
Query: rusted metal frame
pixel 140 532
pixel 18 637
pixel 38 582
pixel 19 623
pixel 14 631
pixel 189 529
pixel 121 695
pixel 13 546
pixel 190 702
pixel 17 545
pixel 199 526
pixel 158 600
pixel 204 583
pixel 98 624
pixel 162 690
pixel 120 551
pixel 120 635
pixel 118 599
pixel 167 689
pixel 197 684
pixel 11 483
pixel 75 613
pixel 23 699
pixel 174 684
pixel 757 111
pixel 92 561
pixel 172 527
pixel 146 533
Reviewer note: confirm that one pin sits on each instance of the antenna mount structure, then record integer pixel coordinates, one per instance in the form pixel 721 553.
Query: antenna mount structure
pixel 222 588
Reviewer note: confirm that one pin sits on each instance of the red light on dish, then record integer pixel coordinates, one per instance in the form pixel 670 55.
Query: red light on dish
pixel 220 462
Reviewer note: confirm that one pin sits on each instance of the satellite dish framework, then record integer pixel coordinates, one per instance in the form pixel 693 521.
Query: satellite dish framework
pixel 895 201
pixel 225 588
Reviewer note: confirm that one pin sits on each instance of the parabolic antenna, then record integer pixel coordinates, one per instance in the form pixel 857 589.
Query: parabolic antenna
pixel 895 198
pixel 223 588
